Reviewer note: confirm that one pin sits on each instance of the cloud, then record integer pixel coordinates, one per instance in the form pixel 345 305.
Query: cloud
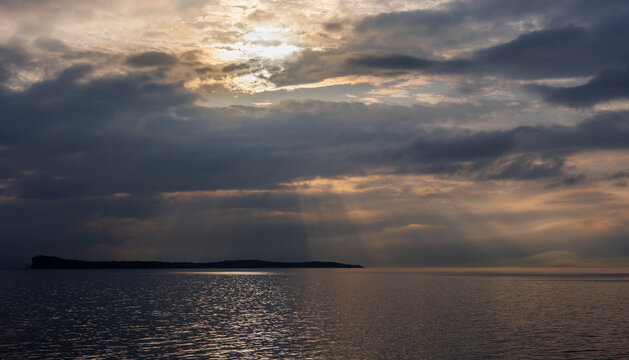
pixel 569 51
pixel 560 52
pixel 152 58
pixel 444 146
pixel 525 167
pixel 332 26
pixel 112 148
pixel 71 137
pixel 403 62
pixel 555 258
pixel 538 54
pixel 51 44
pixel 501 18
pixel 235 67
pixel 609 85
pixel 12 58
pixel 536 41
pixel 554 53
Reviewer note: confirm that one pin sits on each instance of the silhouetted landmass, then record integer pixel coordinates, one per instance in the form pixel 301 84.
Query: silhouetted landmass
pixel 53 262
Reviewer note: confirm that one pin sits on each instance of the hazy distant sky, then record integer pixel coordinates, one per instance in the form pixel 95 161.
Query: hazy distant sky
pixel 373 132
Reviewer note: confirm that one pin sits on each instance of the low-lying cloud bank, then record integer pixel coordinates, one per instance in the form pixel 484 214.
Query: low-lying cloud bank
pixel 68 138
pixel 458 133
pixel 86 163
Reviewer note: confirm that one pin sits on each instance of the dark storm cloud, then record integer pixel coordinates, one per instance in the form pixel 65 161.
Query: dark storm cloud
pixel 608 131
pixel 524 167
pixel 571 51
pixel 532 29
pixel 82 161
pixel 152 58
pixel 523 153
pixel 462 14
pixel 403 62
pixel 609 85
pixel 573 180
pixel 73 132
pixel 212 227
pixel 30 227
pixel 67 138
pixel 619 178
pixel 535 40
pixel 51 44
pixel 332 26
pixel 235 67
pixel 312 66
pixel 452 13
pixel 563 52
pixel 538 54
pixel 12 57
pixel 443 146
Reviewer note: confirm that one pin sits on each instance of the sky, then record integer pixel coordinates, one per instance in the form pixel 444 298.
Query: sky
pixel 383 133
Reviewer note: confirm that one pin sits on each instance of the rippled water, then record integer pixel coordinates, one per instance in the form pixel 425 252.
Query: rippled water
pixel 322 313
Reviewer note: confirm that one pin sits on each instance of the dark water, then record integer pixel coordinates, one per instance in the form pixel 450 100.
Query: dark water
pixel 315 314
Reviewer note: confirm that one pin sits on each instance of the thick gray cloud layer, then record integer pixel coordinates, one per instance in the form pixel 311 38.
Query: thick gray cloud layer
pixel 114 155
pixel 69 144
pixel 152 58
pixel 66 138
pixel 562 52
pixel 609 85
pixel 549 40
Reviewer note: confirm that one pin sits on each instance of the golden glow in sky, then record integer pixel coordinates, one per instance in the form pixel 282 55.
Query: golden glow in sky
pixel 263 34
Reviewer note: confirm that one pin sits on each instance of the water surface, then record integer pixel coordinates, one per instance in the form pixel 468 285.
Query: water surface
pixel 316 314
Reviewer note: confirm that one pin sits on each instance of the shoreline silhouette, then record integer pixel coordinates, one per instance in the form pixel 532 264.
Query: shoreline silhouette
pixel 54 262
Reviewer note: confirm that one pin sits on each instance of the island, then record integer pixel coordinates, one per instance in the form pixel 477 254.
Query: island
pixel 53 262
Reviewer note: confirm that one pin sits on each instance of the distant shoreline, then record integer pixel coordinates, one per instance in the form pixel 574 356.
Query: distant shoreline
pixel 53 262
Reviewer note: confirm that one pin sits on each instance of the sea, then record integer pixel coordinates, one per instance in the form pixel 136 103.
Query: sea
pixel 372 313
